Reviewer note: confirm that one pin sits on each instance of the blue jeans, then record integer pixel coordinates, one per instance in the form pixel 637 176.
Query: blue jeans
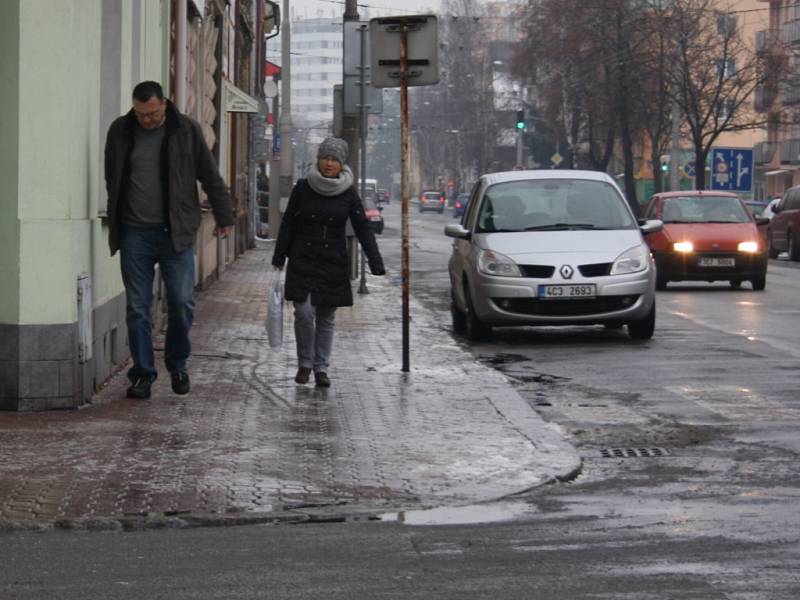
pixel 140 250
pixel 313 332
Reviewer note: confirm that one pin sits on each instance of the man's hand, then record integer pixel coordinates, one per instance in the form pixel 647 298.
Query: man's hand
pixel 223 232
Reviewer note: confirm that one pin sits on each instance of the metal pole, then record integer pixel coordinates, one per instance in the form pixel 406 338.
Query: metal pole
pixel 404 188
pixel 274 211
pixel 350 125
pixel 287 158
pixel 519 147
pixel 362 110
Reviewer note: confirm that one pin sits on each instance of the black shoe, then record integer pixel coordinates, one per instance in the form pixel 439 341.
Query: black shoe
pixel 322 379
pixel 140 388
pixel 303 373
pixel 180 382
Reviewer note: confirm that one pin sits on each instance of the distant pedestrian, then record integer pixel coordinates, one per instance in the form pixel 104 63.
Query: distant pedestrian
pixel 312 236
pixel 154 156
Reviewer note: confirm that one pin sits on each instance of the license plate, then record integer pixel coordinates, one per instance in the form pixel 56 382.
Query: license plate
pixel 567 292
pixel 714 261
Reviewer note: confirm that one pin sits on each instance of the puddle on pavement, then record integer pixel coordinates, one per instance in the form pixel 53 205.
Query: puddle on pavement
pixel 462 515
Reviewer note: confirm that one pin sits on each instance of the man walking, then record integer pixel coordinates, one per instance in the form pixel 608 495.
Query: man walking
pixel 154 157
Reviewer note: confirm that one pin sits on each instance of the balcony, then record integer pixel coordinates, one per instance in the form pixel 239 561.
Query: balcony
pixel 790 152
pixel 763 152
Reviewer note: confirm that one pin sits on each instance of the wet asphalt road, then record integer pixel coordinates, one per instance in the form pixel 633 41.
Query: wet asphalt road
pixel 689 488
pixel 692 434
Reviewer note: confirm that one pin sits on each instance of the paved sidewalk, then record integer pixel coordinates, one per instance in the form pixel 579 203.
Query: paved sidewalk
pixel 248 443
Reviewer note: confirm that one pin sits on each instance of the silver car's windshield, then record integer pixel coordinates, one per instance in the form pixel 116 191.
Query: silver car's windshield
pixel 552 205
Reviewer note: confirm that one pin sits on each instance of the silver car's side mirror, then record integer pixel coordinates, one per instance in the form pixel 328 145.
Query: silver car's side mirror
pixel 651 226
pixel 455 230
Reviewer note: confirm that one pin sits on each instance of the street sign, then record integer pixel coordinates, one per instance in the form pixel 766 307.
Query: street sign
pixel 353 32
pixel 556 159
pixel 422 47
pixel 732 169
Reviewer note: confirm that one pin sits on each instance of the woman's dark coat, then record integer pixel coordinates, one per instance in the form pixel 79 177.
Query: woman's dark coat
pixel 312 236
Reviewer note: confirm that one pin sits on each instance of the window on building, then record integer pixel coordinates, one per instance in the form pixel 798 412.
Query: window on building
pixel 726 24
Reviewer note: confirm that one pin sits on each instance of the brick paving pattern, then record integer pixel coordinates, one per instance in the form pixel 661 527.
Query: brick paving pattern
pixel 248 440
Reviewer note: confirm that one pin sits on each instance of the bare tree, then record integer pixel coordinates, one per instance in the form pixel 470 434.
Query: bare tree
pixel 455 122
pixel 714 75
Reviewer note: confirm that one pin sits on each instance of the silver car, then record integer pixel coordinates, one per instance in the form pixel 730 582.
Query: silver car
pixel 550 247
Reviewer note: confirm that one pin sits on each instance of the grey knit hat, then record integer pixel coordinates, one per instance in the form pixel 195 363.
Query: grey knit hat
pixel 334 147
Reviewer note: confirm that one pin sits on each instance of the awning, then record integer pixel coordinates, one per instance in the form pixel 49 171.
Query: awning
pixel 238 101
pixel 773 173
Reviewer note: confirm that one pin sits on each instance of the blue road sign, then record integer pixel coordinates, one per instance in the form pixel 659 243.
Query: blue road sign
pixel 732 169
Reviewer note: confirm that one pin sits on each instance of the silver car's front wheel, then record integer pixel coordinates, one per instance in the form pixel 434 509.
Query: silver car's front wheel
pixel 477 330
pixel 459 318
pixel 643 328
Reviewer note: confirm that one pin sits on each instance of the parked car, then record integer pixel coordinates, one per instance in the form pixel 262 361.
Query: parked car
pixel 784 227
pixel 550 247
pixel 431 201
pixel 460 205
pixel 707 236
pixel 373 212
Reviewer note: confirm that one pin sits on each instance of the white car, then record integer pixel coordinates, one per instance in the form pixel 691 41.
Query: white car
pixel 769 210
pixel 550 247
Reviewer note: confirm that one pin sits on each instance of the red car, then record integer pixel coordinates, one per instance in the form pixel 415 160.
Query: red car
pixel 707 236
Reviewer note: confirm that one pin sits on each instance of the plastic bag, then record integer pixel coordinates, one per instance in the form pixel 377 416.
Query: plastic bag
pixel 274 324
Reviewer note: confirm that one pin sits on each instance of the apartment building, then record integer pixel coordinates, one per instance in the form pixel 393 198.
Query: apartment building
pixel 777 155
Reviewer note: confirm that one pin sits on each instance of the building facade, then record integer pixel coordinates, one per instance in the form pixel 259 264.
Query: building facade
pixel 62 302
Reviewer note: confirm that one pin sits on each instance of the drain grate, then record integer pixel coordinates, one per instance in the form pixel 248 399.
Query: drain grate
pixel 634 452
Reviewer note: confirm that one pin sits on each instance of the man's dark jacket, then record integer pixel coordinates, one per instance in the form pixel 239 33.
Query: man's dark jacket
pixel 185 160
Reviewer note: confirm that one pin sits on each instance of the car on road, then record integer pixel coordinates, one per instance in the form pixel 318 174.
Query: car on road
pixel 550 247
pixel 431 200
pixel 784 227
pixel 384 197
pixel 707 236
pixel 373 212
pixel 460 205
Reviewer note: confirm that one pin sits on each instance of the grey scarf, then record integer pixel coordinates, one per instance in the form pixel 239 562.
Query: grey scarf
pixel 329 186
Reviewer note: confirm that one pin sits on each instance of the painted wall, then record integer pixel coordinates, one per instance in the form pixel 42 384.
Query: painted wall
pixel 62 84
pixel 9 108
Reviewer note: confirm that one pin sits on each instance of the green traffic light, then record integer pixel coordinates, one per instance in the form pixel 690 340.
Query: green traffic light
pixel 520 125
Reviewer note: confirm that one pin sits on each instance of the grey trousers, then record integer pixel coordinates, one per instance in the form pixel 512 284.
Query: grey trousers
pixel 313 332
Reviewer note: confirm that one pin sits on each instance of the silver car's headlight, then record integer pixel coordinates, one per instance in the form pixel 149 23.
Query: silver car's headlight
pixel 499 265
pixel 630 261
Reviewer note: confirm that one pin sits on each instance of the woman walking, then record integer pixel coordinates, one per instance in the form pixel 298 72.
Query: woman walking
pixel 312 236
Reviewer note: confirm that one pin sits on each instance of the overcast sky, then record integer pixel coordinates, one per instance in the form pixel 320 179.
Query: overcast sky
pixel 373 8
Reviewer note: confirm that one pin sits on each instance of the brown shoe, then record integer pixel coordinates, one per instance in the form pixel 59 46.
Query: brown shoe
pixel 303 373
pixel 322 379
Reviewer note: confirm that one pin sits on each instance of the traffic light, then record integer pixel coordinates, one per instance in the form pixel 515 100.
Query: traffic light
pixel 520 119
pixel 664 163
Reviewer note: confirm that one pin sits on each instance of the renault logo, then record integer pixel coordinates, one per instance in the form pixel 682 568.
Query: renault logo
pixel 566 271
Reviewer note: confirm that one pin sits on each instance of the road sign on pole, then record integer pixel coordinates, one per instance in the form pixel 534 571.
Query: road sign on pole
pixel 422 63
pixel 732 169
pixel 404 52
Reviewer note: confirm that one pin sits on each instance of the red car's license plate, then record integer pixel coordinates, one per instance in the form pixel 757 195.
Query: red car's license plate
pixel 716 261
